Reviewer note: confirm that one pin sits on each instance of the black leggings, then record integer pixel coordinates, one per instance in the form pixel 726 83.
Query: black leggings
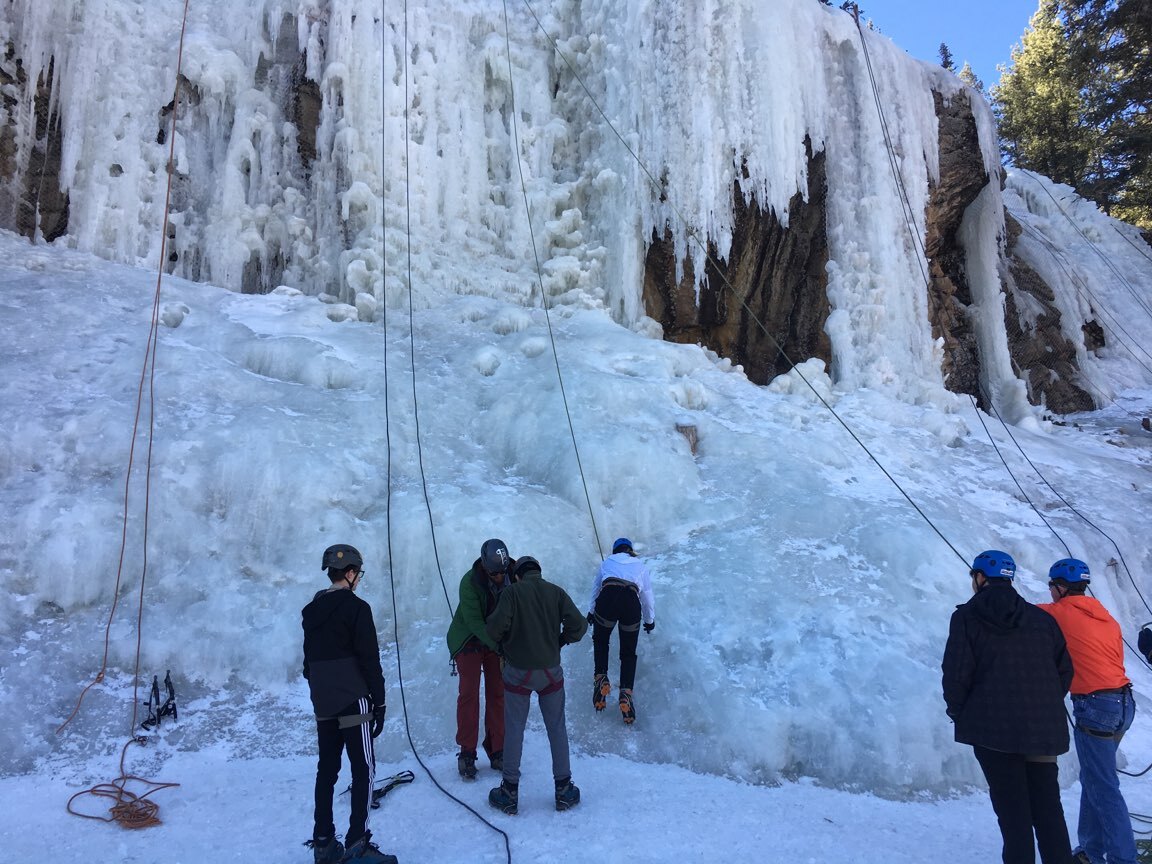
pixel 617 604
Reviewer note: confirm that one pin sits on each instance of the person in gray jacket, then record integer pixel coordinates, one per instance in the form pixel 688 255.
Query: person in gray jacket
pixel 532 622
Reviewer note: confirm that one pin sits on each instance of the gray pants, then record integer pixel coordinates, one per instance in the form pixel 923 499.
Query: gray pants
pixel 519 685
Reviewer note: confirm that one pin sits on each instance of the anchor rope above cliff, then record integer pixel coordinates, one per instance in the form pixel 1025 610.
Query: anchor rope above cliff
pixel 1094 302
pixel 918 248
pixel 1143 251
pixel 1143 304
pixel 388 448
pixel 711 259
pixel 133 810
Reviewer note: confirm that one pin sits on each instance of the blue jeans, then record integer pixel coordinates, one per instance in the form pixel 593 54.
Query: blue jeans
pixel 1105 831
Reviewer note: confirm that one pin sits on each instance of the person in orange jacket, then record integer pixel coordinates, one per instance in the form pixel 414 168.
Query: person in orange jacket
pixel 1102 708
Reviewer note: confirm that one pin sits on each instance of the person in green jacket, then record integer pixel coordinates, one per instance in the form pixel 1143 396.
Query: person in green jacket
pixel 530 624
pixel 474 653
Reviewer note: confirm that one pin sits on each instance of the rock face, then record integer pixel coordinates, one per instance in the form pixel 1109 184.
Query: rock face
pixel 962 176
pixel 765 307
pixel 776 276
pixel 773 274
pixel 1041 354
pixel 31 197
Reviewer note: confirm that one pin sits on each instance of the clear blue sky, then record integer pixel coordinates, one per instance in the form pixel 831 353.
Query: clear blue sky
pixel 979 31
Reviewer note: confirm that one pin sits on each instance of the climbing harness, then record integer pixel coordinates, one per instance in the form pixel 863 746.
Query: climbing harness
pixel 382 787
pixel 158 710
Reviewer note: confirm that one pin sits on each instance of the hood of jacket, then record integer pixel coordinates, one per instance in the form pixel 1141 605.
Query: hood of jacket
pixel 1089 607
pixel 323 606
pixel 998 606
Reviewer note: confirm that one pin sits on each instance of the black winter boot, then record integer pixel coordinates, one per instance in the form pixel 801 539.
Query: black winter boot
pixel 505 797
pixel 364 851
pixel 567 794
pixel 466 764
pixel 326 850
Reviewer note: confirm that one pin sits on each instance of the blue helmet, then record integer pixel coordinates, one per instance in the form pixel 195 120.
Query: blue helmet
pixel 621 544
pixel 994 564
pixel 1071 570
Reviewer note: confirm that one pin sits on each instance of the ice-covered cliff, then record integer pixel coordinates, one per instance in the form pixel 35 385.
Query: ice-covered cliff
pixel 849 195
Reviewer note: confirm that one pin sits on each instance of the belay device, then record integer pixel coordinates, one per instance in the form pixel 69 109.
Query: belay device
pixel 158 709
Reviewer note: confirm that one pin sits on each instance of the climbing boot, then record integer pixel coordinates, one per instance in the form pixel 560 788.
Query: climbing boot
pixel 326 850
pixel 466 764
pixel 364 851
pixel 627 709
pixel 600 691
pixel 505 797
pixel 567 794
pixel 496 760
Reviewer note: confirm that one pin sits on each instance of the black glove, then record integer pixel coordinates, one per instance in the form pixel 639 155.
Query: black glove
pixel 591 617
pixel 648 628
pixel 1144 643
pixel 378 720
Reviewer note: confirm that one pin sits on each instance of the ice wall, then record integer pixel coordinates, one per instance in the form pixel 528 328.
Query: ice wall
pixel 413 153
pixel 1100 274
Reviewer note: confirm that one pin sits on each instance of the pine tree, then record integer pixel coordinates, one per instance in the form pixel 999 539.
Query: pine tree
pixel 1111 45
pixel 946 57
pixel 1040 108
pixel 969 77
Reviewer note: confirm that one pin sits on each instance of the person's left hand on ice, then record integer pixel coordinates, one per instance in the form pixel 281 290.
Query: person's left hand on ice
pixel 650 626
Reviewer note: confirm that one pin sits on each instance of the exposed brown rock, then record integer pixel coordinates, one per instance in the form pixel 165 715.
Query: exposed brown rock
pixel 1041 354
pixel 775 274
pixel 962 176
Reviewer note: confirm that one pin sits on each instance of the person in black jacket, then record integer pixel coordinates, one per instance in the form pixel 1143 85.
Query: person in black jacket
pixel 342 666
pixel 1006 672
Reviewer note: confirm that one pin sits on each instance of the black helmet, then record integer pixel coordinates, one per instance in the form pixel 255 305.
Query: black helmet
pixel 341 557
pixel 494 556
pixel 523 565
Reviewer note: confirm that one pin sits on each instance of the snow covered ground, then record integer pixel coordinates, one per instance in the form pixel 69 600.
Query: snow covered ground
pixel 232 809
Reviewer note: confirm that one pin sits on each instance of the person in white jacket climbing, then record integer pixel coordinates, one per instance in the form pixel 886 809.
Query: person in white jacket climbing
pixel 621 594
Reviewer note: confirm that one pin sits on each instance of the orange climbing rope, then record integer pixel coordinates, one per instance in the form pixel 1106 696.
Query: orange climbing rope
pixel 132 810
